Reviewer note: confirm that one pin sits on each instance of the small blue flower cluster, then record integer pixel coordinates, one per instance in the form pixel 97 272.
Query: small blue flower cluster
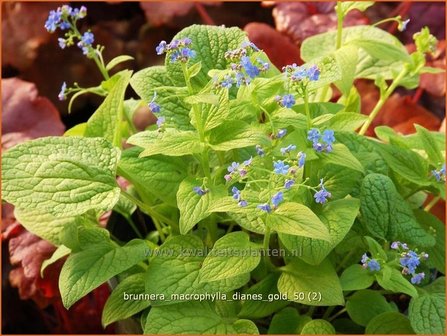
pixel 300 73
pixel 370 263
pixel 281 133
pixel 320 141
pixel 286 100
pixel 178 50
pixel 153 106
pixel 65 17
pixel 243 69
pixel 60 18
pixel 439 174
pixel 238 169
pixel 410 260
pixel 237 196
pixel 276 200
pixel 200 191
pixel 322 195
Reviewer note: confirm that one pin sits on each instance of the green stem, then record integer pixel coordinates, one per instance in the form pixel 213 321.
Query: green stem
pixel 159 229
pixel 333 317
pixel 344 260
pixel 306 108
pixel 266 242
pixel 328 312
pixel 432 203
pixel 311 311
pixel 149 211
pixel 382 101
pixel 396 19
pixel 199 123
pixel 134 226
pixel 339 26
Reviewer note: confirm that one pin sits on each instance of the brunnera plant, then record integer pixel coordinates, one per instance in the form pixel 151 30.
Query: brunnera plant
pixel 266 208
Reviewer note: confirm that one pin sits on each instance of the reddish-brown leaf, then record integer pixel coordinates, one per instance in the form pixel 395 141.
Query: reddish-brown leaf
pixel 277 46
pixel 26 115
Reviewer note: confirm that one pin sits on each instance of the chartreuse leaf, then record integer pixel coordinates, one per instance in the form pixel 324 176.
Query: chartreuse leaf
pixel 118 306
pixel 173 273
pixel 430 145
pixel 311 285
pixel 346 58
pixel 85 270
pixel 346 121
pixel 162 173
pixel 43 224
pixel 255 309
pixel 347 6
pixel 389 323
pixel 387 215
pixel 285 322
pixel 427 312
pixel 368 65
pixel 117 60
pixel 297 219
pixel 364 305
pixel 338 216
pixel 233 254
pixel 342 156
pixel 193 207
pixel 405 163
pixel 393 280
pixel 106 121
pixel 196 318
pixel 435 227
pixel 210 43
pixel 236 134
pixel 60 252
pixel 318 327
pixel 339 181
pixel 216 114
pixel 355 277
pixel 287 117
pixel 64 176
pixel 155 79
pixel 171 142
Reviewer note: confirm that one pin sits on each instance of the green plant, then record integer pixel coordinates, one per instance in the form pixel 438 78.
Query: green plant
pixel 262 198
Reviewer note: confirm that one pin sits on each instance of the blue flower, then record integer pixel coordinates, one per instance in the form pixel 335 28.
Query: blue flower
pixel 417 278
pixel 249 161
pixel 264 66
pixel 199 191
pixel 403 25
pixel 439 174
pixel 373 265
pixel 410 261
pixel 53 20
pixel 242 203
pixel 154 107
pixel 65 25
pixel 280 167
pixel 88 38
pixel 313 135
pixel 161 48
pixel 62 42
pixel 249 44
pixel 187 54
pixel 286 100
pixel 260 151
pixel 277 198
pixel 249 68
pixel 328 137
pixel 233 167
pixel 287 149
pixel 318 146
pixel 236 193
pixel 160 121
pixel 299 74
pixel 289 183
pixel 62 94
pixel 265 207
pixel 313 73
pixel 301 159
pixel 322 195
pixel 227 82
pixel 186 41
pixel 281 133
pixel 397 244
